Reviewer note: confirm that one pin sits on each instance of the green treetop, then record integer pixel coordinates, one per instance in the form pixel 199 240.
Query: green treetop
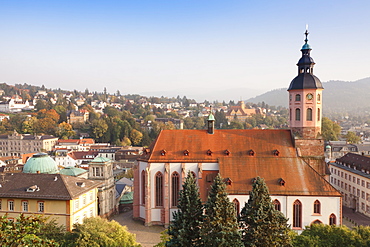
pixel 184 230
pixel 262 225
pixel 220 226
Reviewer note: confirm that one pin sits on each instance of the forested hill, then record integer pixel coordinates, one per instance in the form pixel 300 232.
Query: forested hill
pixel 339 97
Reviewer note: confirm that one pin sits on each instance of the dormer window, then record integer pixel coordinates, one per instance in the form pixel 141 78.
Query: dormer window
pixel 227 152
pixel 186 152
pixel 163 152
pixel 282 182
pixel 228 181
pixel 146 151
pixel 33 188
pixel 80 184
pixel 251 152
pixel 276 152
pixel 209 152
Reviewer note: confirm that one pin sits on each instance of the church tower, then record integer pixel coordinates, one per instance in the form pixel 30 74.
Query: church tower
pixel 305 98
pixel 305 108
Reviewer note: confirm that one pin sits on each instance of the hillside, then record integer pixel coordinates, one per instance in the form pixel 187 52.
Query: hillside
pixel 339 97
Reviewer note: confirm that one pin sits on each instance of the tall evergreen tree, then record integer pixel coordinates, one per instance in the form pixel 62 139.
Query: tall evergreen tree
pixel 184 230
pixel 220 226
pixel 262 225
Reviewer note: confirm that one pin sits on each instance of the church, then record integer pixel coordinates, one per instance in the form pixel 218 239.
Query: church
pixel 291 161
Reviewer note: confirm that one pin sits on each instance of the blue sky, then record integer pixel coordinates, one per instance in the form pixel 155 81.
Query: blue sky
pixel 201 49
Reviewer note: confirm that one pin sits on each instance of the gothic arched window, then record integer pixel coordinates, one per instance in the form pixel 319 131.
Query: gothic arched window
pixel 159 189
pixel 298 114
pixel 309 114
pixel 143 187
pixel 332 219
pixel 237 206
pixel 175 182
pixel 297 214
pixel 317 207
pixel 277 205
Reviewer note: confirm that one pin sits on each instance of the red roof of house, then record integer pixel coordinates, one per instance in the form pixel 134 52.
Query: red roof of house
pixel 243 155
pixel 77 141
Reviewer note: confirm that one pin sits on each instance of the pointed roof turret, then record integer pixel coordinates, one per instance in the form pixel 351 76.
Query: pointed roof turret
pixel 305 78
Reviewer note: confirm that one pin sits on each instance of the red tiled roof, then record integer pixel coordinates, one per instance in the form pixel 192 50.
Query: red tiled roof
pixel 243 155
pixel 237 142
pixel 300 178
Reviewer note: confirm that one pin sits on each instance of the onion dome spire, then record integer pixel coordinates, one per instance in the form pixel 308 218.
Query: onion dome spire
pixel 305 78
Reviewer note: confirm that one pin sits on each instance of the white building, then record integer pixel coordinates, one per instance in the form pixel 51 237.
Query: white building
pixel 351 176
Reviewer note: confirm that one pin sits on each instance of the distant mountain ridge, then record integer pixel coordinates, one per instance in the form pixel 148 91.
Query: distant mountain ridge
pixel 338 97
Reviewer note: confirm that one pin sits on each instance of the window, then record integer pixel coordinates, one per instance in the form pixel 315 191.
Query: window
pixel 237 206
pixel 175 181
pixel 10 205
pixel 317 207
pixel 277 205
pixel 332 219
pixel 318 114
pixel 298 114
pixel 0 204
pixel 349 177
pixel 297 214
pixel 309 114
pixel 358 181
pixel 97 172
pixel 362 183
pixel 77 204
pixel 25 206
pixel 297 97
pixel 318 97
pixel 363 194
pixel 84 200
pixel 358 192
pixel 91 195
pixel 159 189
pixel 41 206
pixel 143 187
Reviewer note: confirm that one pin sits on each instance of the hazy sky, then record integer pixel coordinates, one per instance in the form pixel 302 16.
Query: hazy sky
pixel 201 49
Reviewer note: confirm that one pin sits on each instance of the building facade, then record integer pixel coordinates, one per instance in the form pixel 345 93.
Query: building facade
pixel 66 199
pixel 19 144
pixel 101 169
pixel 291 162
pixel 350 175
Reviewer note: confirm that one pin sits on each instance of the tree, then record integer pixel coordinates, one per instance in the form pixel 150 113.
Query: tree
pixel 351 137
pixel 135 137
pixel 220 226
pixel 331 236
pixel 95 232
pixel 26 231
pixel 330 130
pixel 64 130
pixel 184 230
pixel 261 224
pixel 98 128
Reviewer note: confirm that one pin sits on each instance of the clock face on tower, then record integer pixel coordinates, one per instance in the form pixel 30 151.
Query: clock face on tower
pixel 309 96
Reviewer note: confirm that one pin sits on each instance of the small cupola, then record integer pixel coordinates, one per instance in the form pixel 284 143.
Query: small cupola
pixel 211 124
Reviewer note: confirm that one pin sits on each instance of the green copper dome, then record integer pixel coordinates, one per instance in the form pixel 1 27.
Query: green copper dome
pixel 40 163
pixel 211 117
pixel 306 46
pixel 72 171
pixel 100 159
